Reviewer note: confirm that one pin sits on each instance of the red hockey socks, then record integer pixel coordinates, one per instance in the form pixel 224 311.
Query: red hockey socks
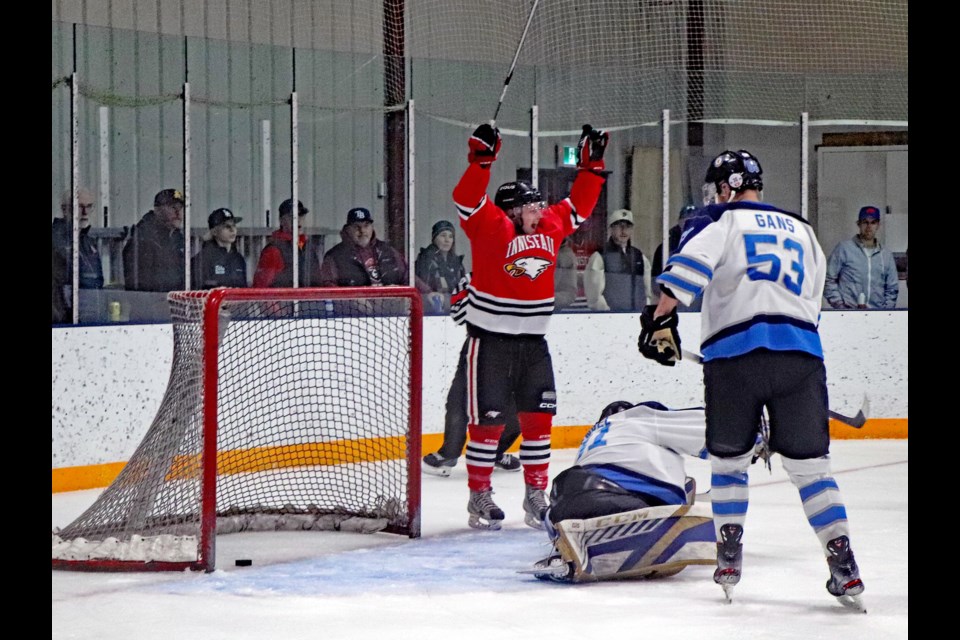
pixel 535 448
pixel 481 454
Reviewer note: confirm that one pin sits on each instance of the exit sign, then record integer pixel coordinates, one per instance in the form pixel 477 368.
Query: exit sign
pixel 570 156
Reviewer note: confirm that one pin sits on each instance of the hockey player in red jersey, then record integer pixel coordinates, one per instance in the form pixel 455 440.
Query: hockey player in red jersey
pixel 509 301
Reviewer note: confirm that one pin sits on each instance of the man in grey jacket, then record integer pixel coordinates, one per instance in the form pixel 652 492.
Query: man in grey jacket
pixel 862 274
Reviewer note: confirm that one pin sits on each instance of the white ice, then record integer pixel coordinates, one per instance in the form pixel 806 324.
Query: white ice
pixel 455 583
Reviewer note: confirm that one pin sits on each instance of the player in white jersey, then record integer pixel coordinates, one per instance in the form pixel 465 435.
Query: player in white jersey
pixel 626 507
pixel 761 272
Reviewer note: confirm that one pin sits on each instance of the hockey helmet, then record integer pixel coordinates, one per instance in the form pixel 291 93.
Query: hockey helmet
pixel 516 194
pixel 739 169
pixel 614 407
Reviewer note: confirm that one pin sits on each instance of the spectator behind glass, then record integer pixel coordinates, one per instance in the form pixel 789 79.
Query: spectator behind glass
pixel 861 274
pixel 153 258
pixel 617 276
pixel 673 235
pixel 62 312
pixel 565 277
pixel 275 266
pixel 439 267
pixel 360 259
pixel 91 267
pixel 218 263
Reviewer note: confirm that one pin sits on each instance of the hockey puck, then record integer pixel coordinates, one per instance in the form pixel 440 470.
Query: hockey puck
pixel 244 562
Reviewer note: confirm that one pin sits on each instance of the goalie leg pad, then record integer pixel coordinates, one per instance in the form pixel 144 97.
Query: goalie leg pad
pixel 644 543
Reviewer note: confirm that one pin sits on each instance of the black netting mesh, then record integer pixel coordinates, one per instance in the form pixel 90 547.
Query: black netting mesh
pixel 314 424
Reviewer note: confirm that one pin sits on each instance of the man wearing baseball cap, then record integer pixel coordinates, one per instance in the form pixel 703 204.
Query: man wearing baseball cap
pixel 617 277
pixel 275 266
pixel 218 263
pixel 361 259
pixel 153 258
pixel 861 273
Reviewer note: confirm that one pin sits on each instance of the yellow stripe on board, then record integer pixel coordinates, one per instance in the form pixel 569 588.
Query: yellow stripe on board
pixel 373 449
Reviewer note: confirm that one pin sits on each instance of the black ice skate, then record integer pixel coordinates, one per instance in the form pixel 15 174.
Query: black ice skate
pixel 508 462
pixel 437 465
pixel 844 583
pixel 535 506
pixel 729 558
pixel 484 512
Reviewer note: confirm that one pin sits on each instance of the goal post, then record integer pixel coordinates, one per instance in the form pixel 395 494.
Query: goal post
pixel 286 409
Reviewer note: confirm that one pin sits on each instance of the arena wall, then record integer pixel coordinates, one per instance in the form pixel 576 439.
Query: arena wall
pixel 108 381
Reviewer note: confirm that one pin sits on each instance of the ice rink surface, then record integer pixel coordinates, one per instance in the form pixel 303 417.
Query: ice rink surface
pixel 456 583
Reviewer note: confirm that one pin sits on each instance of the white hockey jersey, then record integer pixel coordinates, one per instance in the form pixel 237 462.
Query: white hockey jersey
pixel 761 271
pixel 642 448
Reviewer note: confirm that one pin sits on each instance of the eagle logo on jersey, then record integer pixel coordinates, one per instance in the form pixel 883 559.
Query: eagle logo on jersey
pixel 530 266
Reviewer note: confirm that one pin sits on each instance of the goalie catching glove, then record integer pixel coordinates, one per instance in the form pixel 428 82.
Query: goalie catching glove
pixel 659 339
pixel 590 149
pixel 484 145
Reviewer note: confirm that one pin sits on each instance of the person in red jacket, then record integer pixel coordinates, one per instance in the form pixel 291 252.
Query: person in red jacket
pixel 275 266
pixel 508 304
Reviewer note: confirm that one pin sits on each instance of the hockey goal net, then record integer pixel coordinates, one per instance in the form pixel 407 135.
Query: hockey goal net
pixel 286 409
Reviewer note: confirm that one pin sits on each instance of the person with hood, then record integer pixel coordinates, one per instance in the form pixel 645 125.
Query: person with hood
pixel 439 266
pixel 275 265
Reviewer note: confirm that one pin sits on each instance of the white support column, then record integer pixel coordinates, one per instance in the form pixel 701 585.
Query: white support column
pixel 534 147
pixel 411 194
pixel 186 186
pixel 665 224
pixel 104 195
pixel 75 185
pixel 804 164
pixel 294 186
pixel 266 157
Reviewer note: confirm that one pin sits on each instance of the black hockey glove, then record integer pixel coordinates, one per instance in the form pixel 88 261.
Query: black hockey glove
pixel 591 147
pixel 484 145
pixel 659 339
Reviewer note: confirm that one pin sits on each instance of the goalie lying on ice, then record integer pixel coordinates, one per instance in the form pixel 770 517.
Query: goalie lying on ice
pixel 626 508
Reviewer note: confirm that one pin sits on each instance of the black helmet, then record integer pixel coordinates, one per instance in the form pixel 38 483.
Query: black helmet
pixel 516 194
pixel 739 169
pixel 614 407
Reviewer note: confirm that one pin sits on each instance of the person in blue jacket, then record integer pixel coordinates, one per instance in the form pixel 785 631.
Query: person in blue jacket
pixel 861 273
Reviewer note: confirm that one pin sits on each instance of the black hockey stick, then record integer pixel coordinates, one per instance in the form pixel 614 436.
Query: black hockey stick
pixel 513 64
pixel 856 421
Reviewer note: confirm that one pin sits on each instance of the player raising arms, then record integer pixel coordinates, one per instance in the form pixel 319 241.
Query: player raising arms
pixel 514 242
pixel 761 271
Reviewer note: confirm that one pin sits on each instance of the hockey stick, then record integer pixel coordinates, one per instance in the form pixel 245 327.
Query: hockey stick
pixel 856 421
pixel 513 64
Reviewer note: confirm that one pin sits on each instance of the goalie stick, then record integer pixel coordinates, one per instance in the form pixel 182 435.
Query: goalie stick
pixel 513 64
pixel 856 421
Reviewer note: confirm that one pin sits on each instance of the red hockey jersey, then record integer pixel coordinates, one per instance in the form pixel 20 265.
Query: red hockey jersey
pixel 512 287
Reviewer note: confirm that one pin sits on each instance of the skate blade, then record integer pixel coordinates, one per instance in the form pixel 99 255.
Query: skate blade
pixel 443 472
pixel 728 592
pixel 557 570
pixel 484 525
pixel 531 521
pixel 853 602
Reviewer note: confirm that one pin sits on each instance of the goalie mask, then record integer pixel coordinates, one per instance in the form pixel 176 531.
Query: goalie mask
pixel 614 407
pixel 740 170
